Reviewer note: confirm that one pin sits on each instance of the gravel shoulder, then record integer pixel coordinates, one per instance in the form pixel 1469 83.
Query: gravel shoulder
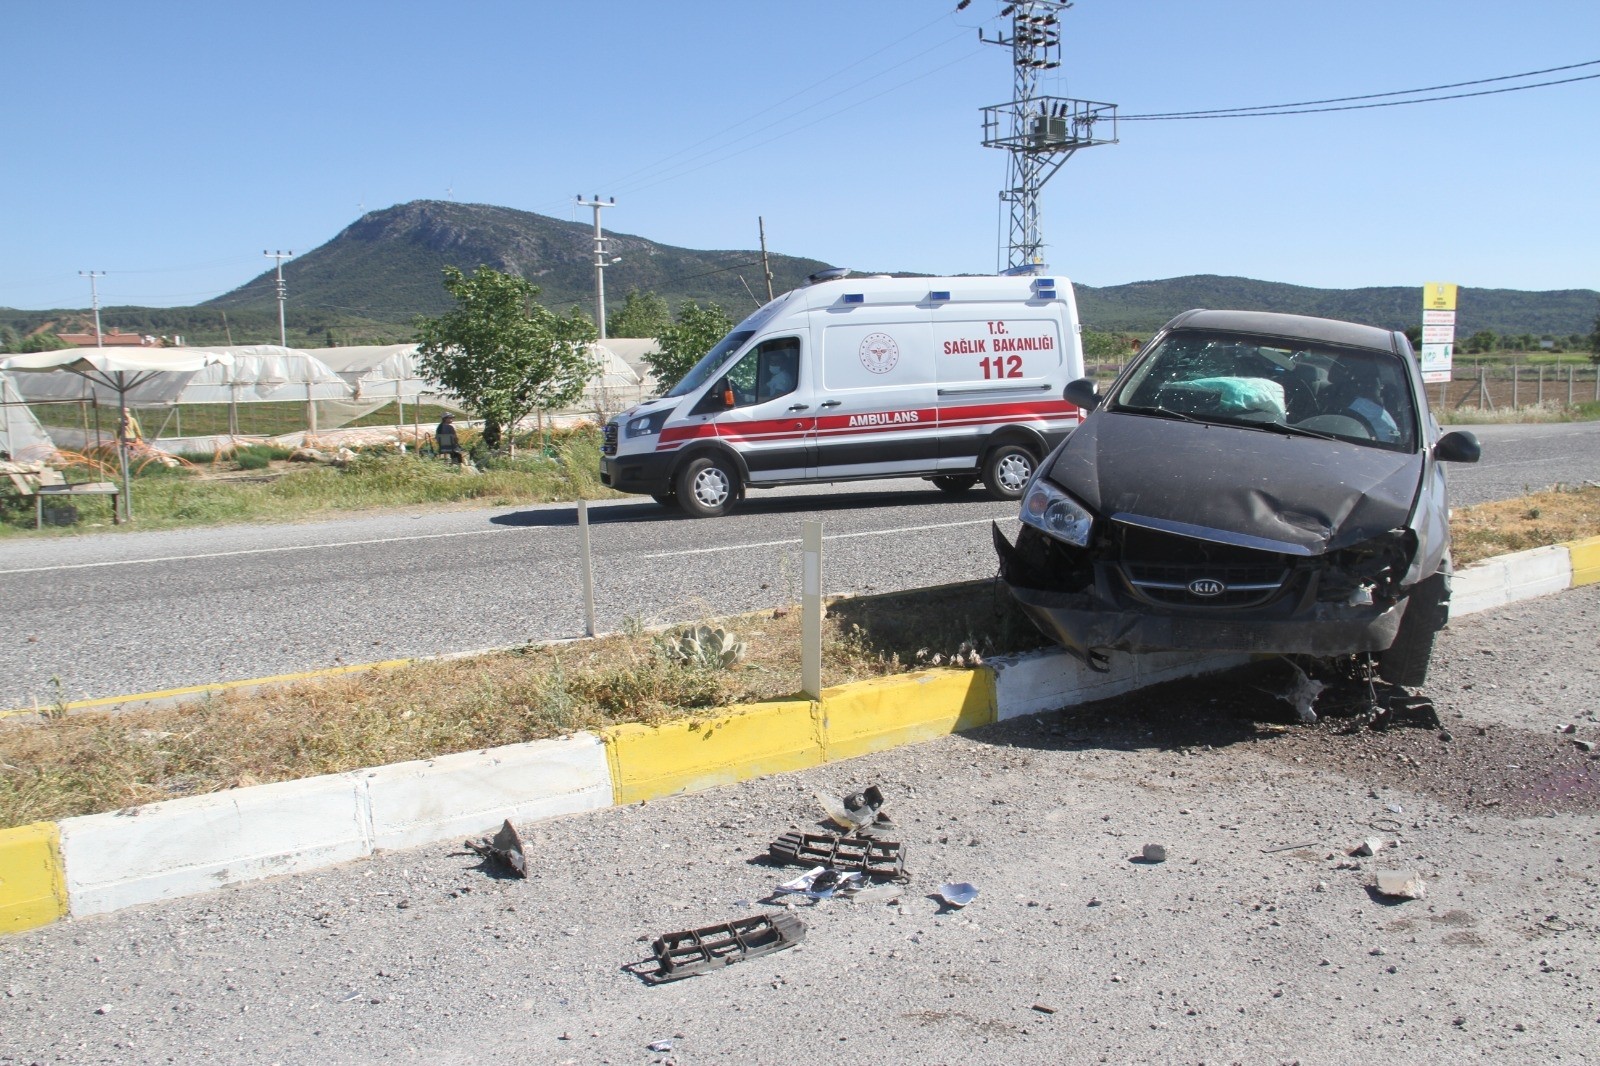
pixel 1258 940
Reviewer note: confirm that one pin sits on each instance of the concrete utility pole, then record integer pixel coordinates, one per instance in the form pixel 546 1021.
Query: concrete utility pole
pixel 94 277
pixel 283 294
pixel 599 259
pixel 1040 132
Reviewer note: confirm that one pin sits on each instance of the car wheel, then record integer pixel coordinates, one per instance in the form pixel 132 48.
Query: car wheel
pixel 953 485
pixel 665 499
pixel 1427 609
pixel 1006 471
pixel 707 487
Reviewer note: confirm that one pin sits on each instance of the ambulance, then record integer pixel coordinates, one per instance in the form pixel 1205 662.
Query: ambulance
pixel 953 380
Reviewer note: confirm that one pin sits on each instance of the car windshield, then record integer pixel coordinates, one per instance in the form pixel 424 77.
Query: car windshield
pixel 1353 394
pixel 708 364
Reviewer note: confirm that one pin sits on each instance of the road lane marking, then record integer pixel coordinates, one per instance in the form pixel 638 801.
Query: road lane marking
pixel 200 690
pixel 251 551
pixel 830 536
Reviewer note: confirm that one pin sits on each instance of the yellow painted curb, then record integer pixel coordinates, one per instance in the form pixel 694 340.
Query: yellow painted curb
pixel 33 890
pixel 1585 560
pixel 724 746
pixel 887 712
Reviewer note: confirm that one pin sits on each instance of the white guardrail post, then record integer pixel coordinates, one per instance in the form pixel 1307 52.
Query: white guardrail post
pixel 811 610
pixel 588 568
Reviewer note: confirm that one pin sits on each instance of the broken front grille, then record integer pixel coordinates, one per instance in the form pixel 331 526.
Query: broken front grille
pixel 608 439
pixel 1174 571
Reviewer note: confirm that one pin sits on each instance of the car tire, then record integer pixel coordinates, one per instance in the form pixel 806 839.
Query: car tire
pixel 707 487
pixel 1405 662
pixel 1007 469
pixel 954 484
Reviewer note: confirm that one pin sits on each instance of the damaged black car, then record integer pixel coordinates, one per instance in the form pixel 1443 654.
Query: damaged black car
pixel 1251 482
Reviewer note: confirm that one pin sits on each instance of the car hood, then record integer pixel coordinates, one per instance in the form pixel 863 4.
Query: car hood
pixel 1301 495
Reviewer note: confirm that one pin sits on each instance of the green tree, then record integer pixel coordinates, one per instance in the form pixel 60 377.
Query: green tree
pixel 502 353
pixel 1482 341
pixel 681 345
pixel 1594 341
pixel 9 339
pixel 42 341
pixel 643 314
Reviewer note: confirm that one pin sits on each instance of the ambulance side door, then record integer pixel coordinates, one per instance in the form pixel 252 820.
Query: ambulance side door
pixel 876 413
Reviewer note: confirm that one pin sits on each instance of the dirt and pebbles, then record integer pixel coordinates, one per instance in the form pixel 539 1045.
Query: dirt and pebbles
pixel 1260 939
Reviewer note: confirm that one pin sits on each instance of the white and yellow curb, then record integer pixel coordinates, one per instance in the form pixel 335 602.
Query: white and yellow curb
pixel 106 862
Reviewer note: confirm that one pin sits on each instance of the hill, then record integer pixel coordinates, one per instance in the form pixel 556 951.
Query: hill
pixel 368 283
pixel 386 265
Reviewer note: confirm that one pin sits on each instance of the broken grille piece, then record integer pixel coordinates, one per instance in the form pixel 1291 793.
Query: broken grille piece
pixel 505 847
pixel 873 857
pixel 697 951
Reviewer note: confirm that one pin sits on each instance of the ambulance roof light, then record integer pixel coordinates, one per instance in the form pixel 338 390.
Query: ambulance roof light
pixel 831 274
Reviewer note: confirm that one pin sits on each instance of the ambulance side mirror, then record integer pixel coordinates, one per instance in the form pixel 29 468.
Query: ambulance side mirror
pixel 728 399
pixel 1083 393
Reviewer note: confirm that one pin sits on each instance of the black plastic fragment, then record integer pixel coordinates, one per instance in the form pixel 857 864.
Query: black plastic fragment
pixel 869 855
pixel 697 951
pixel 505 847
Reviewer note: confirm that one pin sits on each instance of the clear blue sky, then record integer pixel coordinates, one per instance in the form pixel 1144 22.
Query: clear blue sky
pixel 169 142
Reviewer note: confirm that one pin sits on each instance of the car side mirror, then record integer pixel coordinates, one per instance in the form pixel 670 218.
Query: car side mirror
pixel 1083 393
pixel 1458 446
pixel 728 398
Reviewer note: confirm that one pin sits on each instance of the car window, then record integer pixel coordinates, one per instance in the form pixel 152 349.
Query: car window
pixel 766 372
pixel 1354 394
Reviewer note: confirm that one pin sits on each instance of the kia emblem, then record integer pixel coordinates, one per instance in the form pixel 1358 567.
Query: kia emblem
pixel 1207 586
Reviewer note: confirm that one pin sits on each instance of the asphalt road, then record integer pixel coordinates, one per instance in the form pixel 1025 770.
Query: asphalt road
pixel 117 614
pixel 1259 940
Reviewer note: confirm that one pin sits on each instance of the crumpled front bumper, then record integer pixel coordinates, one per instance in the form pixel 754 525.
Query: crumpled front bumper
pixel 1081 624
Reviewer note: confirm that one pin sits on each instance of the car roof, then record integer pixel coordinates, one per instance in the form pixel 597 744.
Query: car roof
pixel 1299 327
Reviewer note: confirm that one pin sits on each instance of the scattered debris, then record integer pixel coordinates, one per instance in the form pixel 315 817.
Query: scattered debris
pixel 1289 847
pixel 505 847
pixel 1153 853
pixel 856 811
pixel 1302 694
pixel 1583 745
pixel 822 883
pixel 1369 846
pixel 957 894
pixel 697 951
pixel 1394 808
pixel 1042 1009
pixel 1568 728
pixel 1402 884
pixel 659 1045
pixel 875 858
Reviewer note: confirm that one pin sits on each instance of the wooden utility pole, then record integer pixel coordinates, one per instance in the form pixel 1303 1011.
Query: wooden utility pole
pixel 766 264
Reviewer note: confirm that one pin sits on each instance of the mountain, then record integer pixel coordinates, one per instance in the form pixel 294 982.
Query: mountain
pixel 1144 305
pixel 367 284
pixel 386 265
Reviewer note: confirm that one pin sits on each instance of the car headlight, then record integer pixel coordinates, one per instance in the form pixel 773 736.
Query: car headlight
pixel 647 426
pixel 1051 511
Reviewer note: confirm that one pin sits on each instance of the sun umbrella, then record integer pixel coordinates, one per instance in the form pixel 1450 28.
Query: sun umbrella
pixel 117 369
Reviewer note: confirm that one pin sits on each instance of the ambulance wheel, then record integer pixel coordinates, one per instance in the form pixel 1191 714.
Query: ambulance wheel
pixel 1006 470
pixel 707 487
pixel 952 485
pixel 665 499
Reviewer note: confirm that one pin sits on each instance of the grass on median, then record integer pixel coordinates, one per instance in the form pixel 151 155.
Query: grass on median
pixel 83 763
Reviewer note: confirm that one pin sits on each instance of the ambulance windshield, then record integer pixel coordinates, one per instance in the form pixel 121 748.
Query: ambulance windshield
pixel 710 362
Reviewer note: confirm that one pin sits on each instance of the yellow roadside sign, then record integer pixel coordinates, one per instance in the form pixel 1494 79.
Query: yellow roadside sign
pixel 1438 296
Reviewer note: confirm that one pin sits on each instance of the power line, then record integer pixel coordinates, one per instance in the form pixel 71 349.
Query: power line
pixel 1305 107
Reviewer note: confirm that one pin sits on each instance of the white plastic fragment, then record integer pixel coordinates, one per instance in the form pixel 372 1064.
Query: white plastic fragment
pixel 1370 846
pixel 957 893
pixel 819 882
